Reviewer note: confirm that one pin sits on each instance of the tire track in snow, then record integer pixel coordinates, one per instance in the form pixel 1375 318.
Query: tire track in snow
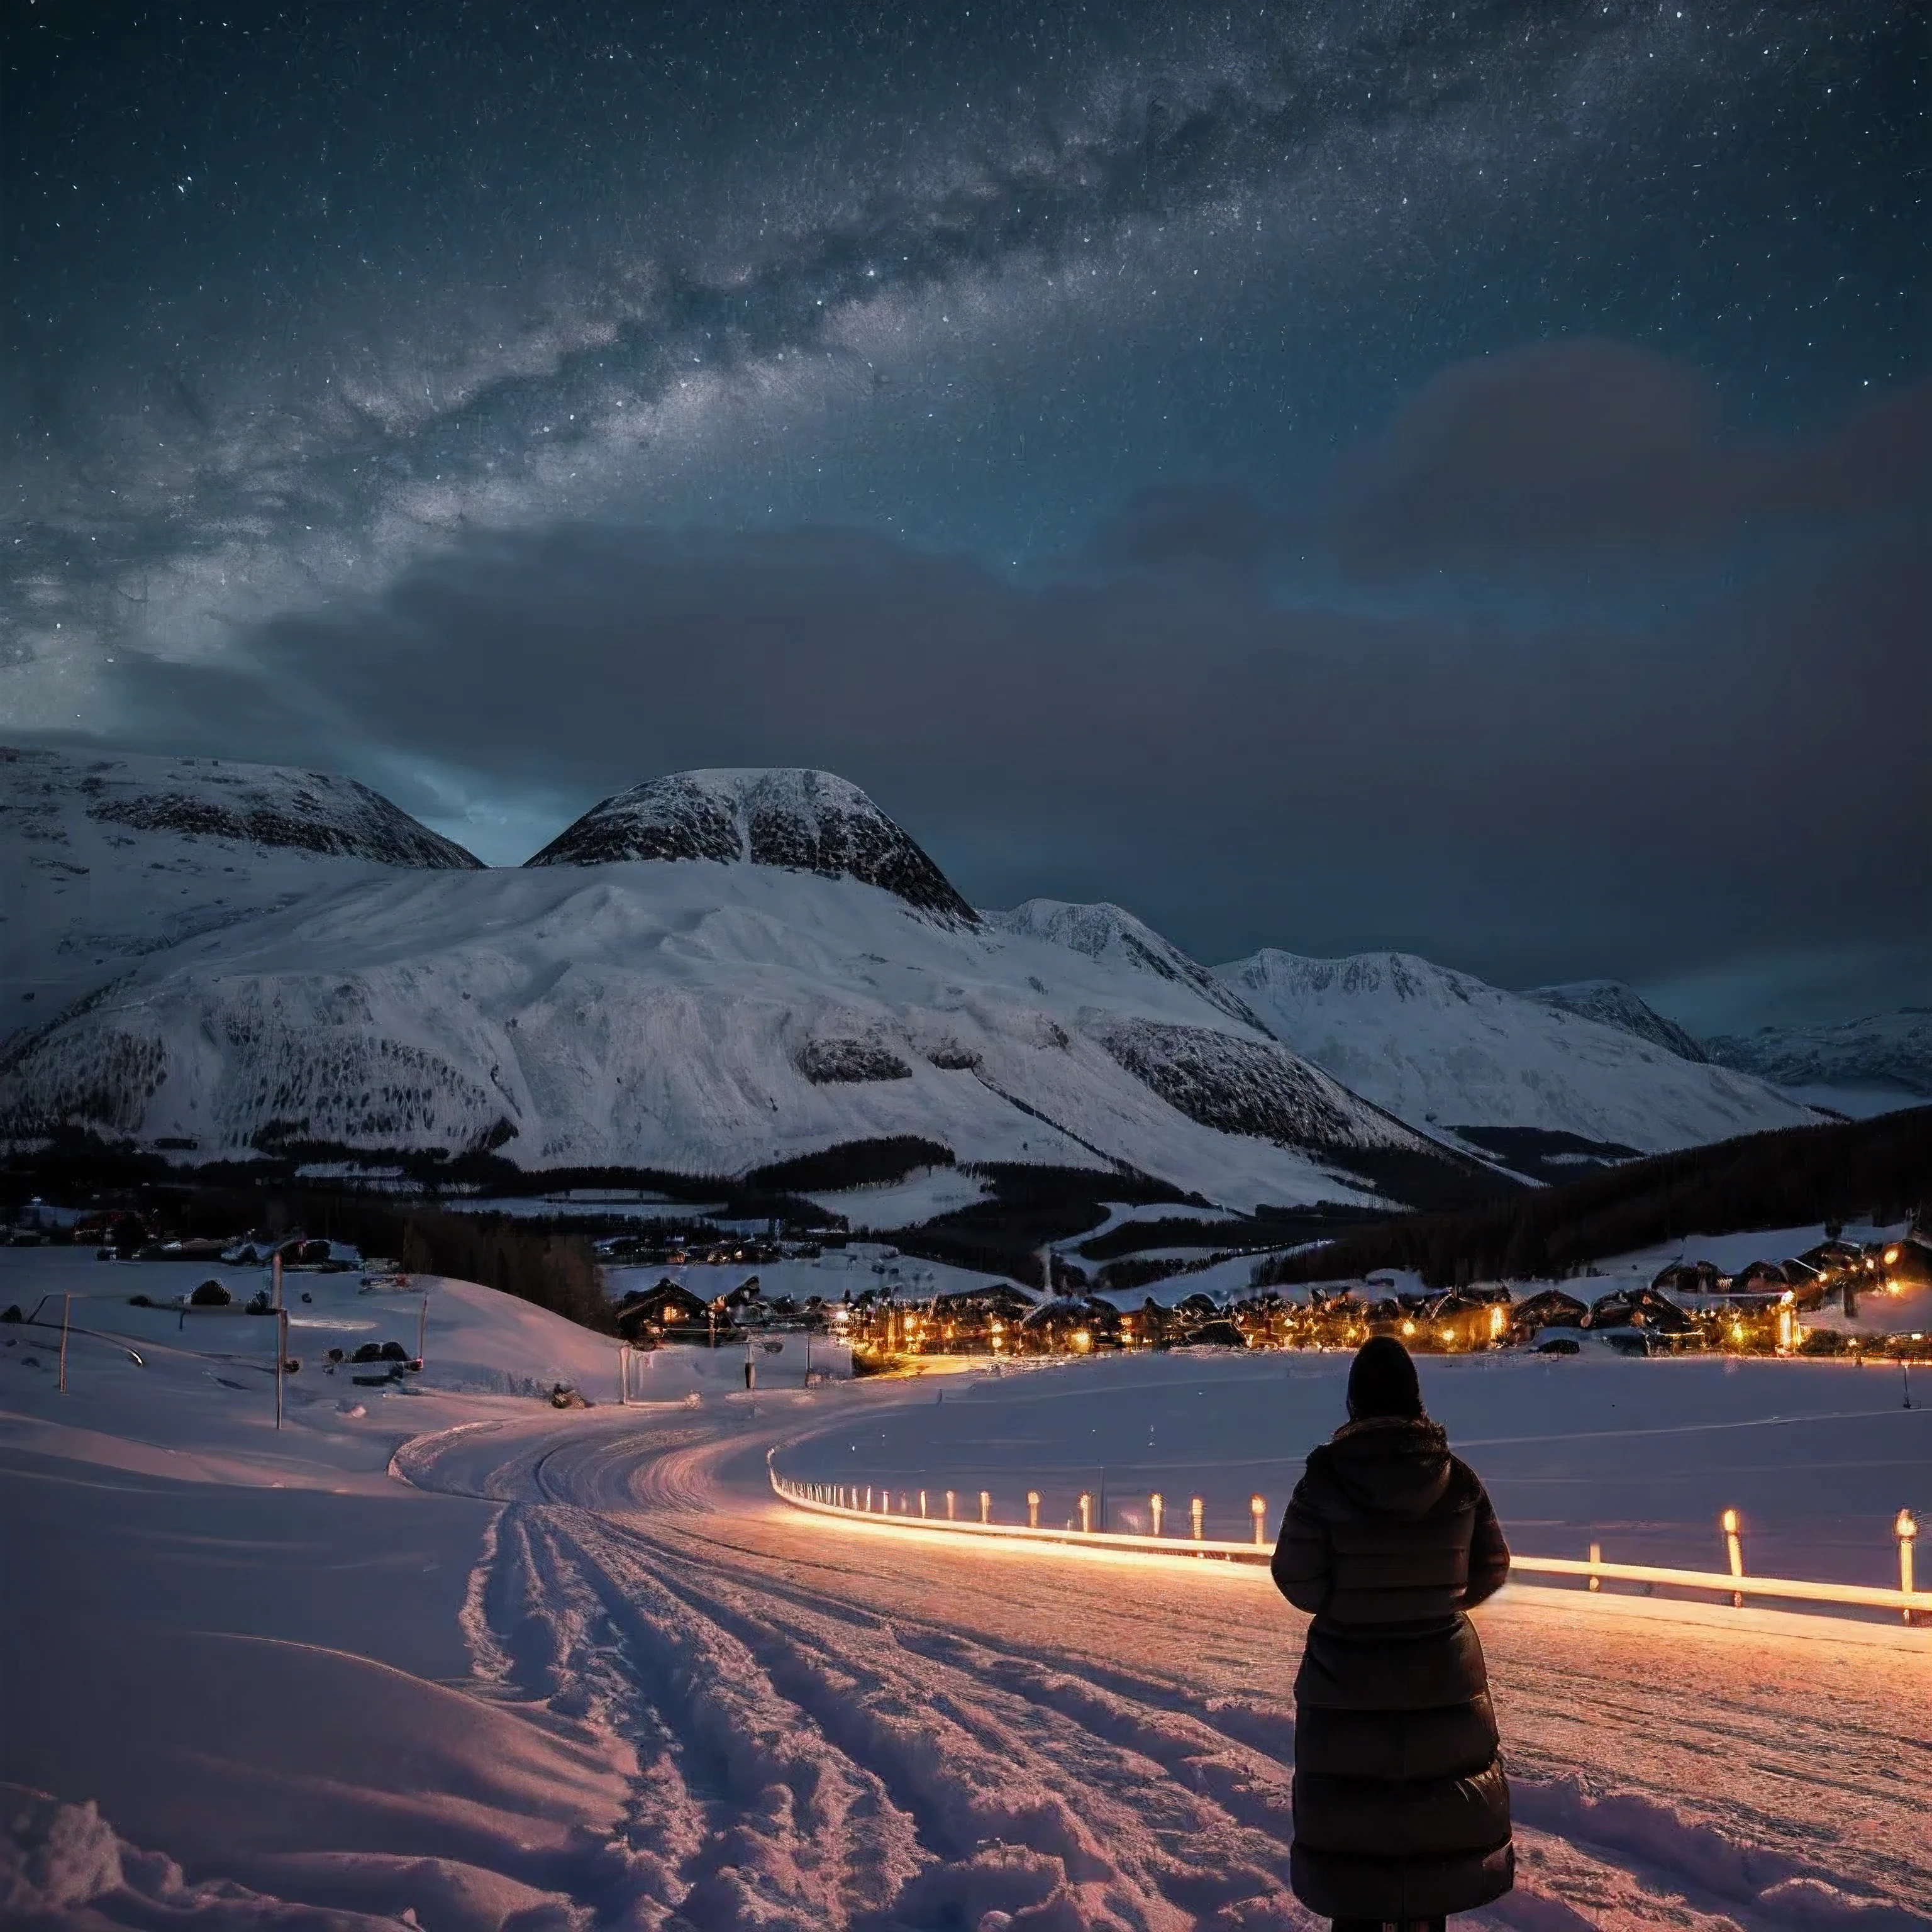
pixel 906 1672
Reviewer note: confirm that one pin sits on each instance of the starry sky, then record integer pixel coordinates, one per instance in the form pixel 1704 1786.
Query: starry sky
pixel 1454 477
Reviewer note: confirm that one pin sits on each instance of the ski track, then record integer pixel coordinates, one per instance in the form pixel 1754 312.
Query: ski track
pixel 859 1732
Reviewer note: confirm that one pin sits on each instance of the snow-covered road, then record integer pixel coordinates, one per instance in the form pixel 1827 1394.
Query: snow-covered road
pixel 836 1728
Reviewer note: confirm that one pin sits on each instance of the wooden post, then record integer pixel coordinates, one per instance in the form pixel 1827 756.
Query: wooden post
pixel 1906 1529
pixel 275 1275
pixel 281 1357
pixel 1734 1551
pixel 985 1507
pixel 1033 1509
pixel 67 1308
pixel 1596 1556
pixel 1258 1508
pixel 1086 1514
pixel 922 1502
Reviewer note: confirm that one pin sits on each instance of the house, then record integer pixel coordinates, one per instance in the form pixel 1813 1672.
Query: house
pixel 1689 1278
pixel 1638 1308
pixel 1552 1309
pixel 669 1310
pixel 1758 1278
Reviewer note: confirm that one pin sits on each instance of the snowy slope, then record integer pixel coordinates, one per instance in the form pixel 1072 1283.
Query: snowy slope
pixel 1610 1002
pixel 1884 1050
pixel 1444 1051
pixel 1107 932
pixel 808 821
pixel 107 859
pixel 701 1016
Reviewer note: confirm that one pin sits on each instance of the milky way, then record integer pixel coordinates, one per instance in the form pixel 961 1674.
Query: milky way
pixel 355 358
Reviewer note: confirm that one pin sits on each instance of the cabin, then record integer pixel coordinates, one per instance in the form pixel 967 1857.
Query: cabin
pixel 1552 1309
pixel 1638 1308
pixel 1758 1278
pixel 1689 1278
pixel 1074 1321
pixel 669 1309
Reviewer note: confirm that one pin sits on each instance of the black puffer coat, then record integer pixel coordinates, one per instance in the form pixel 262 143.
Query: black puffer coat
pixel 1401 1809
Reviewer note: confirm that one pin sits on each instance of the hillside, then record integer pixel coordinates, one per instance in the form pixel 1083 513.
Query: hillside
pixel 1610 1002
pixel 697 1016
pixel 1534 1084
pixel 1879 1171
pixel 1883 1051
pixel 109 859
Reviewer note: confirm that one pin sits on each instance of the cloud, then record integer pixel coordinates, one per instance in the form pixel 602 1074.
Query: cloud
pixel 1533 800
pixel 1585 448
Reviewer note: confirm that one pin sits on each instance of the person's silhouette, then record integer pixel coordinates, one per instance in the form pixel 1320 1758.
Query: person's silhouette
pixel 1401 1808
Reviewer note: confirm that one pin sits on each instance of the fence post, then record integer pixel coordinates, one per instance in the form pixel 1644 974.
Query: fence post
pixel 1734 1551
pixel 922 1502
pixel 1906 1529
pixel 281 1357
pixel 1155 1503
pixel 1086 1514
pixel 1258 1507
pixel 1033 1509
pixel 951 1514
pixel 985 1507
pixel 1194 1509
pixel 1596 1556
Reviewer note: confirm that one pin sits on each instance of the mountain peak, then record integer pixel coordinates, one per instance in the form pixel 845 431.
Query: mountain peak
pixel 1105 931
pixel 1610 1002
pixel 802 819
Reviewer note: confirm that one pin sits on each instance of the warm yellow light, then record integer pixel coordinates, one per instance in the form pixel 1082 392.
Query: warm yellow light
pixel 1730 1521
pixel 1408 1327
pixel 1890 1256
pixel 1081 1339
pixel 1905 1528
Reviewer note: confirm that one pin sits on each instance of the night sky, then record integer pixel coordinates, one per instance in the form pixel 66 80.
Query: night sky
pixel 1447 476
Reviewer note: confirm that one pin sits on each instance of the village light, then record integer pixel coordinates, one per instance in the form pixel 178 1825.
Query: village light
pixel 1082 1339
pixel 1906 1529
pixel 1734 1552
pixel 1892 1256
pixel 1408 1328
pixel 1156 1503
pixel 1496 1322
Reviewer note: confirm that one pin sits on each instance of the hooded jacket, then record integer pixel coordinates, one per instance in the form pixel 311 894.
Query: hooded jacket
pixel 1401 1808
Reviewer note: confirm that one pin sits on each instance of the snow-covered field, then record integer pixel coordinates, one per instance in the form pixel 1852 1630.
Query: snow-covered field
pixel 467 1658
pixel 1643 1456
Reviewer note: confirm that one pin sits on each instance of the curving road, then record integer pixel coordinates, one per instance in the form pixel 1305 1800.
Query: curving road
pixel 835 1727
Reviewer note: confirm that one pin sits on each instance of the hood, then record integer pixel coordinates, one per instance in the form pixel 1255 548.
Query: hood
pixel 1395 1466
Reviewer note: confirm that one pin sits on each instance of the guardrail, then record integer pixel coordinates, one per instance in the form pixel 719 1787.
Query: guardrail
pixel 854 1503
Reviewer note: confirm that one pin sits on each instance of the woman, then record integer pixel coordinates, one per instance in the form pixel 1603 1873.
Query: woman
pixel 1401 1809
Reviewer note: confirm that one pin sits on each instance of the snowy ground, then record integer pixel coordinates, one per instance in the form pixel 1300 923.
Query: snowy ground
pixel 1642 1456
pixel 550 1669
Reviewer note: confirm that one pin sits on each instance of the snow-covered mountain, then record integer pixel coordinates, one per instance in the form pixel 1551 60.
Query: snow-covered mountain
pixel 1532 1082
pixel 1108 932
pixel 108 860
pixel 1883 1050
pixel 699 1015
pixel 1610 1002
pixel 807 821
